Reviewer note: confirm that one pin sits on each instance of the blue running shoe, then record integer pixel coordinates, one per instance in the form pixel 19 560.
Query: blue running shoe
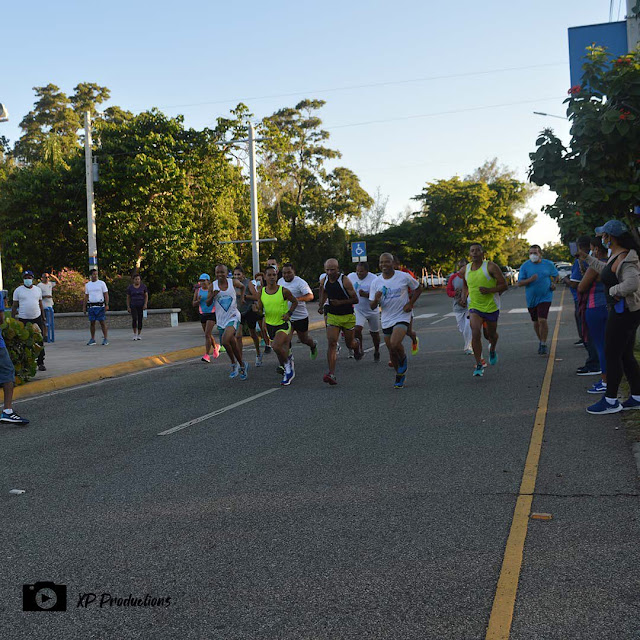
pixel 235 370
pixel 13 418
pixel 399 383
pixel 478 371
pixel 601 387
pixel 630 404
pixel 91 343
pixel 543 350
pixel 243 370
pixel 105 342
pixel 402 366
pixel 493 357
pixel 289 375
pixel 602 406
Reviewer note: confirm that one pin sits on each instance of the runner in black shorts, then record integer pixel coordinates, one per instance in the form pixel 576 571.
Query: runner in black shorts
pixel 248 317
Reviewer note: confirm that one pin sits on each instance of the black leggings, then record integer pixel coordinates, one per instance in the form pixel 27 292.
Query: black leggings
pixel 136 318
pixel 619 341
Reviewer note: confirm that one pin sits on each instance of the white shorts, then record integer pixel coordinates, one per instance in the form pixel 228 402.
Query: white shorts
pixel 372 318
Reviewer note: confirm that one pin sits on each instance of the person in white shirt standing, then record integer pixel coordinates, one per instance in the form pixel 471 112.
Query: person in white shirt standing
pixel 395 292
pixel 46 284
pixel 96 300
pixel 27 307
pixel 362 280
pixel 300 317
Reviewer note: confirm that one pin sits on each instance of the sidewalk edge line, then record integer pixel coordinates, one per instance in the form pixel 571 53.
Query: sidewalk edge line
pixel 501 618
pixel 79 378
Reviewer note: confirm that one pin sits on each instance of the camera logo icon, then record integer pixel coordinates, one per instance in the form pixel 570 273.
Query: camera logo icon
pixel 44 596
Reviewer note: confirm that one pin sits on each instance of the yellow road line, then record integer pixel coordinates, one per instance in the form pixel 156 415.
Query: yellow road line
pixel 505 599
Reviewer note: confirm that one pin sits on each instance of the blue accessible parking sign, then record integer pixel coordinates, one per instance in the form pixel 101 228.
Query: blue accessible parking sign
pixel 358 251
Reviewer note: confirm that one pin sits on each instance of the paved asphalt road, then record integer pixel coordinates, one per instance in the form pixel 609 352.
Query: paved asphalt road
pixel 357 511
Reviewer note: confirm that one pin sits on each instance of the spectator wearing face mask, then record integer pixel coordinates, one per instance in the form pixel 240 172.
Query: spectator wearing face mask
pixel 27 307
pixel 539 277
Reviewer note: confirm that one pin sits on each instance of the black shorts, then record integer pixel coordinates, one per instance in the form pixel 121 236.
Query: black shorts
pixel 301 325
pixel 249 318
pixel 272 329
pixel 207 317
pixel 389 330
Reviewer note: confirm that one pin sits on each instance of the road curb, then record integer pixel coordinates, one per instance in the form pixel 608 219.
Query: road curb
pixel 38 387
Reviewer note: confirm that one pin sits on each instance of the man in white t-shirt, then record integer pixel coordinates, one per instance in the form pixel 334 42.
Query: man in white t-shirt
pixel 362 280
pixel 27 308
pixel 47 283
pixel 396 293
pixel 300 317
pixel 96 300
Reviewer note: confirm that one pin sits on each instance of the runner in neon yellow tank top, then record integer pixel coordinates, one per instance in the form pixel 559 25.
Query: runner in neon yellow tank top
pixel 273 302
pixel 483 280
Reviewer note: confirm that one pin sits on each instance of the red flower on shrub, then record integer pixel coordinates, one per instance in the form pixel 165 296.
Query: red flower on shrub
pixel 624 114
pixel 575 89
pixel 577 213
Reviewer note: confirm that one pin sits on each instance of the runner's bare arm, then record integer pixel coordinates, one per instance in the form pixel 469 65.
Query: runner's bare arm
pixel 321 298
pixel 587 280
pixel 376 301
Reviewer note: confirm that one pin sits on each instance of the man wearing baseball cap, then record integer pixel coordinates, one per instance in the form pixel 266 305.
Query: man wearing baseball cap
pixel 621 278
pixel 27 305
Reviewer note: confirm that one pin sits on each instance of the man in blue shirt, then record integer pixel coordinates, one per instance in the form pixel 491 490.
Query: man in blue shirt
pixel 539 277
pixel 7 377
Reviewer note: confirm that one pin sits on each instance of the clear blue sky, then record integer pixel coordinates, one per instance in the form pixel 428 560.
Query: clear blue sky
pixel 167 53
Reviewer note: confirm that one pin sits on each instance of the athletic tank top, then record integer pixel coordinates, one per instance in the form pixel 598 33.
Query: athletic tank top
pixel 335 291
pixel 203 306
pixel 275 306
pixel 484 302
pixel 609 278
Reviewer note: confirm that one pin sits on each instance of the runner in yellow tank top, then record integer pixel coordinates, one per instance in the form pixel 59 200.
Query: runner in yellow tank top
pixel 482 281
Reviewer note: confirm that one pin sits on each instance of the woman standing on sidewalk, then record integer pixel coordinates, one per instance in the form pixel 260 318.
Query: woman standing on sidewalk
pixel 207 316
pixel 621 279
pixel 595 312
pixel 137 300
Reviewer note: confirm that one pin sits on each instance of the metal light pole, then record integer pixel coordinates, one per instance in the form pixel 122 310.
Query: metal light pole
pixel 4 117
pixel 633 26
pixel 91 210
pixel 253 185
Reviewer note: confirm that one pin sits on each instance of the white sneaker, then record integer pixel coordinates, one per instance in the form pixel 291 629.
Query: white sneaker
pixel 139 337
pixel 135 337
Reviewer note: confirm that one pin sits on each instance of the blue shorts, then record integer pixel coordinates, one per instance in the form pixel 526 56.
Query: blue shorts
pixel 7 372
pixel 232 323
pixel 97 314
pixel 488 317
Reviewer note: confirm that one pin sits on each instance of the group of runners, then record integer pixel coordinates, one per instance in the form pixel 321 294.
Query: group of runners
pixel 276 301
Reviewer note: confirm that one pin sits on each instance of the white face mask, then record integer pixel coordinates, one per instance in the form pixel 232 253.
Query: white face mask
pixel 27 282
pixel 609 253
pixel 534 257
pixel 591 252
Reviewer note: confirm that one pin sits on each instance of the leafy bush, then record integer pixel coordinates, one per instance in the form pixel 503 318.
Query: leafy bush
pixel 179 297
pixel 24 343
pixel 67 296
pixel 117 286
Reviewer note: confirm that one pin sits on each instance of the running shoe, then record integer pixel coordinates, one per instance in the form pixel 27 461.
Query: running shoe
pixel 268 349
pixel 280 369
pixel 291 362
pixel 91 343
pixel 206 358
pixel 630 403
pixel 105 342
pixel 221 349
pixel 135 337
pixel 484 363
pixel 578 343
pixel 583 371
pixel 603 406
pixel 12 418
pixel 139 337
pixel 543 350
pixel 415 346
pixel 235 370
pixel 402 366
pixel 289 375
pixel 399 383
pixel 41 367
pixel 243 370
pixel 351 356
pixel 376 356
pixel 493 357
pixel 468 352
pixel 540 349
pixel 216 351
pixel 259 360
pixel 600 387
pixel 314 351
pixel 360 353
pixel 330 378
pixel 478 371
pixel 338 348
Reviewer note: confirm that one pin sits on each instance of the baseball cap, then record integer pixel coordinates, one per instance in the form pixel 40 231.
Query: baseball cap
pixel 27 273
pixel 613 228
pixel 204 276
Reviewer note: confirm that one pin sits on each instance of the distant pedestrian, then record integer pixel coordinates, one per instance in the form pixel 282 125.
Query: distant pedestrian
pixel 539 277
pixel 137 301
pixel 207 316
pixel 27 307
pixel 96 301
pixel 47 282
pixel 7 378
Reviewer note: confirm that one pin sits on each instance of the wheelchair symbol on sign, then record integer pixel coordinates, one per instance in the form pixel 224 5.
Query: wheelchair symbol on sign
pixel 359 250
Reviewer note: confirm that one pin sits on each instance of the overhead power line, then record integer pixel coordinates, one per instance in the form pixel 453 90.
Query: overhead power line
pixel 365 86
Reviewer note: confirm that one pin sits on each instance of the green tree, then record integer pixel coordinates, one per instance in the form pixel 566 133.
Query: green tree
pixel 598 175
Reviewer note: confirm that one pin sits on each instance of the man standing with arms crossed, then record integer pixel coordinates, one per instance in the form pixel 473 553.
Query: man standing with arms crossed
pixel 362 280
pixel 396 293
pixel 341 296
pixel 483 283
pixel 539 277
pixel 96 298
pixel 46 284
